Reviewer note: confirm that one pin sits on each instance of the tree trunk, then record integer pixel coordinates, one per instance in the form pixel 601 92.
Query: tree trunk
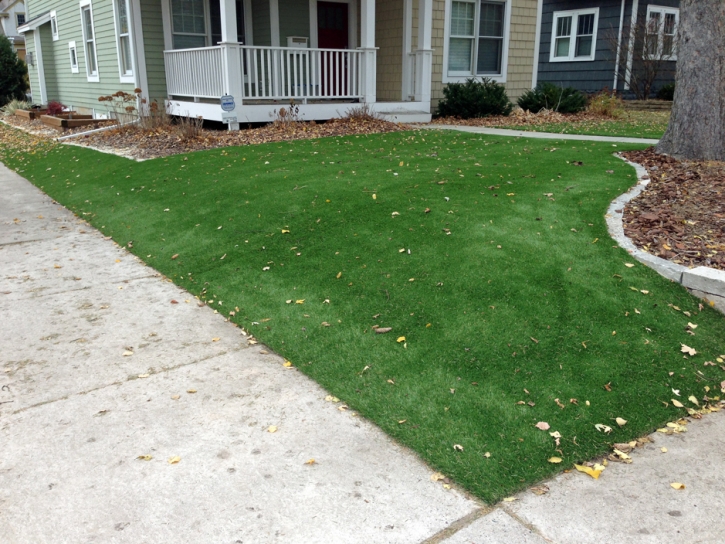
pixel 697 126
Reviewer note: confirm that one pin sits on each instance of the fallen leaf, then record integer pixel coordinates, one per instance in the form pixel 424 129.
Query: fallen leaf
pixel 677 404
pixel 693 400
pixel 127 353
pixel 402 421
pixel 175 256
pixel 339 275
pixel 603 428
pixel 543 425
pixel 540 490
pixel 510 499
pixel 143 375
pixel 215 339
pixel 310 462
pixel 175 397
pixel 383 330
pixel 174 460
pixel 191 391
pixel 691 325
pixel 272 429
pixel 400 339
pixel 457 447
pixel 628 265
pixel 677 485
pixel 487 455
pixel 437 477
pixel 287 364
pixel 555 460
pixel 330 398
pixel 144 458
pixel 687 349
pixel 621 422
pixel 285 231
pixel 586 470
pixel 663 450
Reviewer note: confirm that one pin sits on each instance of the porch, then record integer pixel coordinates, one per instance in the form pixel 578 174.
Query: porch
pixel 324 72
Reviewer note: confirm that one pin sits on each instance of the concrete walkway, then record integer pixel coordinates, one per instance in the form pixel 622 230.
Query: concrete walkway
pixel 98 368
pixel 543 135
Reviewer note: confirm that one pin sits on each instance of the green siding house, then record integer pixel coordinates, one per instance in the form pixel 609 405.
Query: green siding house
pixel 327 56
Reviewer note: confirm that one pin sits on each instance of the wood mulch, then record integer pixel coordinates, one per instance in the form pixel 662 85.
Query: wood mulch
pixel 521 118
pixel 133 142
pixel 680 216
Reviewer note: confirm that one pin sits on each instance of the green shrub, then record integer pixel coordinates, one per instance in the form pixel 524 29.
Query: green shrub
pixel 14 105
pixel 12 73
pixel 552 97
pixel 667 92
pixel 474 99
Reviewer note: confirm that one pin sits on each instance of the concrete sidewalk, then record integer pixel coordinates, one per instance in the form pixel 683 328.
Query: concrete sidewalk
pixel 98 367
pixel 543 135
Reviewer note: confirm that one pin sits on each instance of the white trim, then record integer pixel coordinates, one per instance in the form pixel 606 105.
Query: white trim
pixel 663 11
pixel 574 14
pixel 139 49
pixel 18 14
pixel 537 44
pixel 54 26
pixel 351 22
pixel 619 47
pixel 33 24
pixel 41 69
pixel 124 77
pixel 274 22
pixel 460 77
pixel 632 36
pixel 407 50
pixel 73 53
pixel 92 77
pixel 168 32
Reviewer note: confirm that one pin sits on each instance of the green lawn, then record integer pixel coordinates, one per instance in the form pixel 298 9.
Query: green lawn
pixel 632 124
pixel 489 255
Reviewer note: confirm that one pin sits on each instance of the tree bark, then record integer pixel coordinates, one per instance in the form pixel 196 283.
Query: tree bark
pixel 697 126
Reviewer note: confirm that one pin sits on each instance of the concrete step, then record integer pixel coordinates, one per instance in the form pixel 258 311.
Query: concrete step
pixel 406 116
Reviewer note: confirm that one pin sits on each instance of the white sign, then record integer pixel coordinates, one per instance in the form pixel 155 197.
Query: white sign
pixel 228 118
pixel 227 102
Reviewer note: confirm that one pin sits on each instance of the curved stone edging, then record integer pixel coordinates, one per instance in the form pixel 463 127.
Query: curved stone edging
pixel 702 281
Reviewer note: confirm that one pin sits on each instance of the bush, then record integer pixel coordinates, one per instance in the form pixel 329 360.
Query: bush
pixel 12 73
pixel 552 97
pixel 667 92
pixel 474 99
pixel 606 104
pixel 55 108
pixel 14 105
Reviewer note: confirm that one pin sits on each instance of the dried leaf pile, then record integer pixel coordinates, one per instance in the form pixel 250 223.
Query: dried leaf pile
pixel 680 216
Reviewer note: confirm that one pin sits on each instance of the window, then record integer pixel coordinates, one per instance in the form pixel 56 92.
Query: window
pixel 574 35
pixel 73 57
pixel 476 40
pixel 89 40
pixel 123 42
pixel 188 22
pixel 54 25
pixel 19 19
pixel 660 39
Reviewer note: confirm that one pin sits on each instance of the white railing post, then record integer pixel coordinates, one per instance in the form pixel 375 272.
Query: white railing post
pixel 233 73
pixel 367 46
pixel 424 54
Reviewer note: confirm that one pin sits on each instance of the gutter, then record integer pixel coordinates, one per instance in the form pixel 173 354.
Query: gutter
pixel 619 47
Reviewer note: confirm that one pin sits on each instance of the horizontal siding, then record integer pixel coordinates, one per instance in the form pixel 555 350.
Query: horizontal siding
pixel 260 22
pixel 153 40
pixel 75 89
pixel 294 20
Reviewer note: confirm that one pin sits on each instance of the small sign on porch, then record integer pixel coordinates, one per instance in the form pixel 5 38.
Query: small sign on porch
pixel 227 102
pixel 228 118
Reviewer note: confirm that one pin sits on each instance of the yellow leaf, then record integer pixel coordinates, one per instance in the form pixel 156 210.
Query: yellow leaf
pixel 310 462
pixel 144 458
pixel 301 301
pixel 191 391
pixel 428 326
pixel 375 197
pixel 693 400
pixel 555 460
pixel 487 454
pixel 436 477
pixel 402 421
pixel 401 339
pixel 457 447
pixel 586 470
pixel 272 429
pixel 174 460
pixel 677 485
pixel 401 163
pixel 143 375
pixel 663 450
pixel 621 422
pixel 628 265
pixel 127 353
pixel 510 499
pixel 215 339
pixel 176 397
pixel 285 231
pixel 688 350
pixel 287 364
pixel 677 403
pixel 339 275
pixel 330 398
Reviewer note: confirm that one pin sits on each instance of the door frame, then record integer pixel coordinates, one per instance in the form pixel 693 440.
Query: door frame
pixel 351 22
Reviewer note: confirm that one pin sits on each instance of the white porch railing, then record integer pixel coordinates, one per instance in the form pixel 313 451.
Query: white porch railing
pixel 268 73
pixel 195 72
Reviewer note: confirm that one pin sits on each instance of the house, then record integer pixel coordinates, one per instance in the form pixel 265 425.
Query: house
pixel 614 44
pixel 12 15
pixel 255 56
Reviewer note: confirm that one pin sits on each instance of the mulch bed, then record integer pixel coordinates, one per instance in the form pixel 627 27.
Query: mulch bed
pixel 521 118
pixel 680 216
pixel 135 143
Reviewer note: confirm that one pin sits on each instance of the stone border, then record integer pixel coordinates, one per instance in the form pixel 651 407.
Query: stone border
pixel 702 281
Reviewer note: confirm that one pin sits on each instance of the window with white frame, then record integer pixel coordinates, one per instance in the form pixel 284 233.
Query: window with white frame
pixel 19 19
pixel 73 52
pixel 476 41
pixel 54 25
pixel 123 41
pixel 89 40
pixel 188 23
pixel 574 35
pixel 661 32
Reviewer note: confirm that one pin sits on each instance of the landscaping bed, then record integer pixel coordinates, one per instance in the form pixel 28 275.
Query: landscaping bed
pixel 519 332
pixel 680 216
pixel 31 114
pixel 69 120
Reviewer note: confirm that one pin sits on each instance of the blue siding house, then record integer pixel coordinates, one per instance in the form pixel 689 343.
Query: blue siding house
pixel 579 41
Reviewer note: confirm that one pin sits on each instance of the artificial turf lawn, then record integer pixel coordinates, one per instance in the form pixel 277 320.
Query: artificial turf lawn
pixel 632 124
pixel 509 289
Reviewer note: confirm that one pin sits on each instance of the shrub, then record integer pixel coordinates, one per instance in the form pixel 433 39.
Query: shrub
pixel 14 105
pixel 667 92
pixel 552 97
pixel 606 104
pixel 474 99
pixel 55 108
pixel 12 73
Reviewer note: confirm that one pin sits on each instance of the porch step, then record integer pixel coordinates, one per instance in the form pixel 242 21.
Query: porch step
pixel 406 116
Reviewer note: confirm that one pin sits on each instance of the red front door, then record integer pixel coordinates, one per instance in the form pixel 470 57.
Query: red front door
pixel 332 33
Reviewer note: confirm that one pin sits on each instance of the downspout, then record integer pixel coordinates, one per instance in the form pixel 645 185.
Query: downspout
pixel 537 44
pixel 619 48
pixel 632 39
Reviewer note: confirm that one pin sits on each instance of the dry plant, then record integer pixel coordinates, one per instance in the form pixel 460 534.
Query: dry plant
pixel 188 128
pixel 287 115
pixel 606 103
pixel 362 112
pixel 122 106
pixel 152 117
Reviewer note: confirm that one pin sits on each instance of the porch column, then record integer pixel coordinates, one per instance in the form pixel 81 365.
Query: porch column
pixel 367 46
pixel 424 53
pixel 232 56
